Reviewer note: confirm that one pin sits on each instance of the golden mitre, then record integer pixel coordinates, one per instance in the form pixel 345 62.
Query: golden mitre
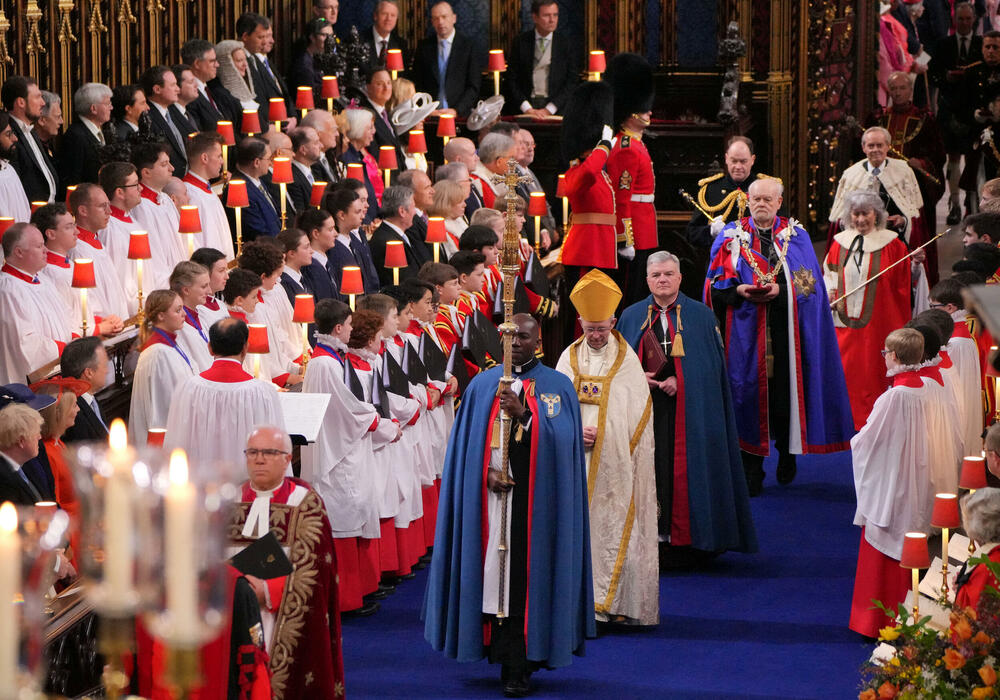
pixel 595 297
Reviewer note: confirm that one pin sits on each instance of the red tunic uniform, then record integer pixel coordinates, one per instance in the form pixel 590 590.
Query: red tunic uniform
pixel 631 171
pixel 591 240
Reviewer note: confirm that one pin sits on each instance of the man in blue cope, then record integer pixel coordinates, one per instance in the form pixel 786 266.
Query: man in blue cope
pixel 482 600
pixel 767 290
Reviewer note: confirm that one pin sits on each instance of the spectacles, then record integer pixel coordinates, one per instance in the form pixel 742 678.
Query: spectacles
pixel 886 351
pixel 936 306
pixel 597 331
pixel 253 453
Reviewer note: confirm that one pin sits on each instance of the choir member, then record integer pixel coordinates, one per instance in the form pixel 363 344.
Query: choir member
pixel 300 612
pixel 359 239
pixel 120 183
pixel 210 310
pixel 449 322
pixel 59 230
pixel 204 153
pixel 210 411
pixel 321 228
pixel 297 255
pixel 190 281
pixel 35 323
pixel 90 207
pixel 163 365
pixel 340 463
pixel 348 213
pixel 156 212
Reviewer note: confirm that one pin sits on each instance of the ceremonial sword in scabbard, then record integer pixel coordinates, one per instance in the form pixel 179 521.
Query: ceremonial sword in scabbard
pixel 690 200
pixel 872 279
pixel 898 154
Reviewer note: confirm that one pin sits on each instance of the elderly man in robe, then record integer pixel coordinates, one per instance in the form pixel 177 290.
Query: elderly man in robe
pixel 618 446
pixel 703 501
pixel 894 181
pixel 209 412
pixel 300 613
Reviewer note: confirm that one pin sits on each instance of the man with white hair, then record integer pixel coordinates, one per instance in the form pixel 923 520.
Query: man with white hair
pixel 301 629
pixel 892 180
pixel 494 152
pixel 325 168
pixel 703 505
pixel 781 350
pixel 461 150
pixel 78 161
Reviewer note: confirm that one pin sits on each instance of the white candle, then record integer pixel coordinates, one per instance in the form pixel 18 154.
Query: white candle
pixel 83 307
pixel 10 586
pixel 181 566
pixel 118 519
pixel 138 275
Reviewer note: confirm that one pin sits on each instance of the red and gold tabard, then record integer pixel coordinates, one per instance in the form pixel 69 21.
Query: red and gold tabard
pixel 631 172
pixel 591 240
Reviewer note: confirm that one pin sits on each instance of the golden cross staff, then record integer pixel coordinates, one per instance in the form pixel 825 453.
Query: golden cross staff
pixel 509 267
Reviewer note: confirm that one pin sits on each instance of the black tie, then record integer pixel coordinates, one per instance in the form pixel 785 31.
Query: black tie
pixel 963 51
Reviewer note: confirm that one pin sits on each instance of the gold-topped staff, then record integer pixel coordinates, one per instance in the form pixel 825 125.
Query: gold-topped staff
pixel 872 279
pixel 510 265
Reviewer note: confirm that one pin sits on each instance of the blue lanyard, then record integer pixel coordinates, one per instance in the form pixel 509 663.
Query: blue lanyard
pixel 195 323
pixel 173 344
pixel 333 352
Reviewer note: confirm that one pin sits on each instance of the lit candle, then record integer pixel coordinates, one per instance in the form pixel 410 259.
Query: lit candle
pixel 10 586
pixel 118 518
pixel 181 565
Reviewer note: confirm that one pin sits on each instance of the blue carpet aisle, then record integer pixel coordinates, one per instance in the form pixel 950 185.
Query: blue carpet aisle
pixel 768 625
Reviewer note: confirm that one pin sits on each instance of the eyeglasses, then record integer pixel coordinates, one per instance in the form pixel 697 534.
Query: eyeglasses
pixel 597 331
pixel 886 351
pixel 936 306
pixel 253 453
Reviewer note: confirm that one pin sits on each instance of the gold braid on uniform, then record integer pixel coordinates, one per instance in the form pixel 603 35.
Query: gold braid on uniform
pixel 727 202
pixel 884 123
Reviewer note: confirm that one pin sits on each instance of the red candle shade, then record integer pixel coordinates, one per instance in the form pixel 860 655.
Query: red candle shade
pixel 973 473
pixel 915 554
pixel 435 230
pixel 596 63
pixel 138 246
pixel 251 122
pixel 945 513
pixel 387 158
pixel 190 219
pixel 276 111
pixel 330 89
pixel 536 204
pixel 304 97
pixel 35 206
pixel 305 307
pixel 281 172
pixel 561 187
pixel 350 282
pixel 394 59
pixel 155 436
pixel 356 171
pixel 5 223
pixel 446 125
pixel 69 191
pixel 236 194
pixel 395 254
pixel 257 343
pixel 225 130
pixel 417 144
pixel 316 195
pixel 83 274
pixel 497 62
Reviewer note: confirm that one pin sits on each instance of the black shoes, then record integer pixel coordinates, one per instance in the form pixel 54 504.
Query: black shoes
pixel 517 688
pixel 369 608
pixel 954 214
pixel 786 469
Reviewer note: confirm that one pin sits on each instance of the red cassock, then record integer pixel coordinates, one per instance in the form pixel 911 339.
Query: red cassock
pixel 979 578
pixel 631 172
pixel 865 318
pixel 591 240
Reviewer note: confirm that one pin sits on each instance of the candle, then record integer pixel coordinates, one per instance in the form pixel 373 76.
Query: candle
pixel 10 588
pixel 118 524
pixel 181 566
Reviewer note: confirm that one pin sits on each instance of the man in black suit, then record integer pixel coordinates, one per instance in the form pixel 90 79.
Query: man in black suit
pixel 20 436
pixel 255 32
pixel 946 72
pixel 87 360
pixel 306 152
pixel 78 154
pixel 36 469
pixel 543 67
pixel 160 85
pixel 397 216
pixel 187 92
pixel 24 102
pixel 423 199
pixel 383 35
pixel 453 56
pixel 212 104
pixel 379 90
pixel 322 122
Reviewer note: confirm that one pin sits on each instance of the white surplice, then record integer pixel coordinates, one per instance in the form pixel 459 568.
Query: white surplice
pixel 13 200
pixel 115 237
pixel 160 370
pixel 59 273
pixel 108 298
pixel 157 215
pixel 215 231
pixel 965 354
pixel 35 323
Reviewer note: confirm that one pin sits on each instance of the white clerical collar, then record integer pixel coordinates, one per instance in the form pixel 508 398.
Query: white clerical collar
pixel 294 274
pixel 259 517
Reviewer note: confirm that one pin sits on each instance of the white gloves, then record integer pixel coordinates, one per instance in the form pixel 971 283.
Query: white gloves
pixel 627 252
pixel 607 134
pixel 715 225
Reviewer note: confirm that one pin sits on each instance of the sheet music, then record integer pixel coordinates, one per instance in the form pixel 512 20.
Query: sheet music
pixel 303 413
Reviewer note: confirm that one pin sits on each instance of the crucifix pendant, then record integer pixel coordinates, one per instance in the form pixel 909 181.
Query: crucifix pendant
pixel 666 345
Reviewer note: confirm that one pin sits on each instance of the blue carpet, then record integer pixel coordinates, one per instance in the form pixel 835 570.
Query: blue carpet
pixel 767 625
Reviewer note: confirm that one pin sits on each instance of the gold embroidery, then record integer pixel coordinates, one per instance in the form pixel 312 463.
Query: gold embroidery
pixel 620 560
pixel 804 281
pixel 637 435
pixel 625 180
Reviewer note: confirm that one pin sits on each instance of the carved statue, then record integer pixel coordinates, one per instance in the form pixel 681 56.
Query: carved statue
pixel 357 57
pixel 730 50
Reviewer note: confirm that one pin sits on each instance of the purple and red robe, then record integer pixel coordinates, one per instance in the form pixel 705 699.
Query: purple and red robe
pixel 820 414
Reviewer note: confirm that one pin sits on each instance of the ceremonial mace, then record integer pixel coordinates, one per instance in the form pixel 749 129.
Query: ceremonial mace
pixel 906 257
pixel 509 267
